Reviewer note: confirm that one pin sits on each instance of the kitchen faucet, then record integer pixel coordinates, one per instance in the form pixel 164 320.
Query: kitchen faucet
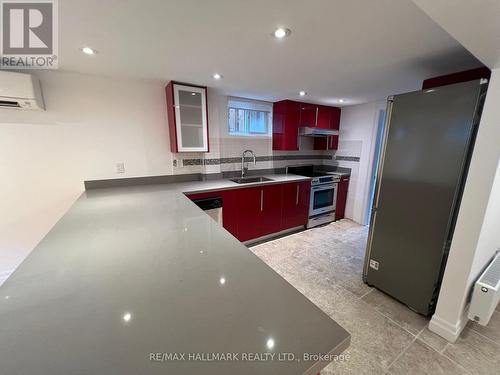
pixel 243 169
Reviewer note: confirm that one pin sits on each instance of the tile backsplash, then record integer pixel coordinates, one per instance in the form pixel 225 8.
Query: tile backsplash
pixel 225 155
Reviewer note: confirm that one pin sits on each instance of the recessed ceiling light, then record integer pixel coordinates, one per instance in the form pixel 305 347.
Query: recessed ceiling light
pixel 281 33
pixel 88 51
pixel 302 93
pixel 193 93
pixel 341 100
pixel 127 317
pixel 270 343
pixel 217 76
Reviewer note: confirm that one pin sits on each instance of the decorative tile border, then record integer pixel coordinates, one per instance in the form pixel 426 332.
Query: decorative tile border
pixel 217 161
pixel 188 162
pixel 348 158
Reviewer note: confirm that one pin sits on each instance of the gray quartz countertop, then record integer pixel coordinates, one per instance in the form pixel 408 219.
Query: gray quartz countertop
pixel 139 280
pixel 227 184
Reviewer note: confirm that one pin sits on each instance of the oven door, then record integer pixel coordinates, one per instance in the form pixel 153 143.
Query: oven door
pixel 323 199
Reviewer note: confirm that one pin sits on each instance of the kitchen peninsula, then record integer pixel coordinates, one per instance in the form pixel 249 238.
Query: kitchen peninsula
pixel 131 274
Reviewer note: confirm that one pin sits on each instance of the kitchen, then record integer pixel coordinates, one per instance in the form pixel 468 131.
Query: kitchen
pixel 103 179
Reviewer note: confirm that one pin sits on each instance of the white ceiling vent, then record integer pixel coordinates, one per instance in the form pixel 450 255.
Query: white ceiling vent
pixel 20 91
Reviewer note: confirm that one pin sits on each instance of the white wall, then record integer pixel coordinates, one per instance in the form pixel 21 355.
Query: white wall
pixel 476 231
pixel 358 130
pixel 489 237
pixel 91 123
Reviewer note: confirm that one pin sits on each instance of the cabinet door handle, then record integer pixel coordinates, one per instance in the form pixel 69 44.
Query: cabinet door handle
pixel 262 200
pixel 297 197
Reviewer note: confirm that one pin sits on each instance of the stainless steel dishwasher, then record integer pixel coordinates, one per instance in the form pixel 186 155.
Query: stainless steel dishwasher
pixel 212 207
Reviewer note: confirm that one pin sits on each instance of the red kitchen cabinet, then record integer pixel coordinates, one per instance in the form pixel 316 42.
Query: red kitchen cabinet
pixel 230 211
pixel 296 197
pixel 335 118
pixel 308 114
pixel 324 117
pixel 271 206
pixel 259 211
pixel 286 118
pixel 326 143
pixel 249 213
pixel 341 197
pixel 319 116
pixel 331 142
pixel 289 115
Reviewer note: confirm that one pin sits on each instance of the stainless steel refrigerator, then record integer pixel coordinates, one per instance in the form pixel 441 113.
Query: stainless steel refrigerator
pixel 427 145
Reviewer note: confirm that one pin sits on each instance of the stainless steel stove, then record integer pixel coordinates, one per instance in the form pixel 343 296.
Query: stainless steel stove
pixel 323 194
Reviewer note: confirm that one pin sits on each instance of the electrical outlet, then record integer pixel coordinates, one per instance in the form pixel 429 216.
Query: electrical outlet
pixel 120 167
pixel 175 163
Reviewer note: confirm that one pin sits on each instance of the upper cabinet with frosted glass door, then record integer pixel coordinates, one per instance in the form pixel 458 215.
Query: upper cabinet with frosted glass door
pixel 187 117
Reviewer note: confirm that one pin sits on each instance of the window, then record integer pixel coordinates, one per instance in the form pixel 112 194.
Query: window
pixel 249 117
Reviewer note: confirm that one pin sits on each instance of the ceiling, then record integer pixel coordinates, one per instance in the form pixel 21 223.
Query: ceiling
pixel 357 50
pixel 475 25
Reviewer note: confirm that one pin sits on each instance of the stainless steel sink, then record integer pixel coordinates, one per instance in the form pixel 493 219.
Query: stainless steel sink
pixel 248 180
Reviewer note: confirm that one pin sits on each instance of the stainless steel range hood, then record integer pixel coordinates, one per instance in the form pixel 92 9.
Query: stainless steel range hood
pixel 316 132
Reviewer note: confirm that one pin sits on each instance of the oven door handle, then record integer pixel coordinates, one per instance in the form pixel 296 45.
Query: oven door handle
pixel 323 187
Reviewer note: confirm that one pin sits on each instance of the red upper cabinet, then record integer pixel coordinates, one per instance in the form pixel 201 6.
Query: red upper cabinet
pixel 187 112
pixel 331 142
pixel 326 143
pixel 308 114
pixel 324 117
pixel 335 118
pixel 319 116
pixel 286 118
pixel 296 197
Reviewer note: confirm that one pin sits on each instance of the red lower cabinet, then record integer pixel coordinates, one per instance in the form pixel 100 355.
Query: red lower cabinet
pixel 248 220
pixel 230 211
pixel 295 204
pixel 250 213
pixel 271 207
pixel 341 197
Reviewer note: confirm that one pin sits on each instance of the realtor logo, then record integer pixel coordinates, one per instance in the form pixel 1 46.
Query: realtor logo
pixel 29 34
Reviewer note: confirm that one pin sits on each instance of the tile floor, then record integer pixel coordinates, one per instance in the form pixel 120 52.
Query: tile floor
pixel 325 264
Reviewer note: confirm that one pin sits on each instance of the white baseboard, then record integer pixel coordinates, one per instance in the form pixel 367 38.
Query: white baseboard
pixel 4 275
pixel 447 330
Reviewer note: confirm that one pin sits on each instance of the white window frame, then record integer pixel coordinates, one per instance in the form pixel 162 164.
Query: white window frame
pixel 257 105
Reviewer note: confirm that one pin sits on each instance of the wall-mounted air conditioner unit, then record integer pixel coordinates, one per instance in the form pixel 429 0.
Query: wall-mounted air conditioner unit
pixel 20 91
pixel 486 293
